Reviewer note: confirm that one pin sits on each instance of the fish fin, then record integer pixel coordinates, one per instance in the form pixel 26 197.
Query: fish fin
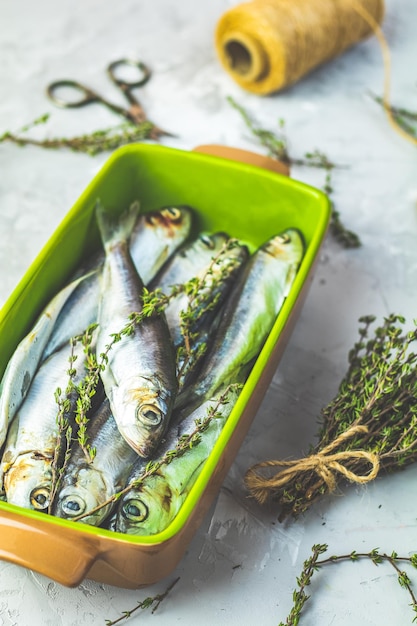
pixel 116 229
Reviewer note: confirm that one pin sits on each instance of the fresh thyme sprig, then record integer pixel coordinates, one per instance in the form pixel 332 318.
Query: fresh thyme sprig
pixel 313 564
pixel 64 439
pixel 103 140
pixel 203 297
pixel 369 427
pixel 277 147
pixel 144 604
pixel 405 118
pixel 300 596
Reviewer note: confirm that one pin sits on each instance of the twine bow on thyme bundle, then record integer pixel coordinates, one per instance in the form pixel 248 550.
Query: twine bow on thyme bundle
pixel 323 464
pixel 369 427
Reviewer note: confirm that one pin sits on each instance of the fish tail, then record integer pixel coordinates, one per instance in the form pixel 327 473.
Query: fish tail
pixel 115 229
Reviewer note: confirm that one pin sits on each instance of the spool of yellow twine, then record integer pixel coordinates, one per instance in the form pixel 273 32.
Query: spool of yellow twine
pixel 267 45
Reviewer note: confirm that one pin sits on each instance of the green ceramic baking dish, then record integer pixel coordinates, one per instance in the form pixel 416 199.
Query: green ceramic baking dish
pixel 247 202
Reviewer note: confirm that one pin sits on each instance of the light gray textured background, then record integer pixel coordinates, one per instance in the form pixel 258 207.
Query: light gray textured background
pixel 241 566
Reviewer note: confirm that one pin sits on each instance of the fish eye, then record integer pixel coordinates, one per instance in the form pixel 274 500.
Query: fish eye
pixel 135 510
pixel 73 506
pixel 150 415
pixel 207 241
pixel 151 218
pixel 284 238
pixel 39 498
pixel 172 212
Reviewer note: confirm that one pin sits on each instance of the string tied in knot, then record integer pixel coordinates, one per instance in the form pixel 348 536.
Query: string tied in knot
pixel 323 463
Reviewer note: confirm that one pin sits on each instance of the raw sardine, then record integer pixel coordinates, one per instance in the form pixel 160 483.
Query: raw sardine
pixel 155 236
pixel 212 262
pixel 26 358
pixel 139 376
pixel 33 434
pixel 89 484
pixel 248 315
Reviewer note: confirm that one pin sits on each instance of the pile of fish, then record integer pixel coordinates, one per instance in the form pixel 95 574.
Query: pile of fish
pixel 171 323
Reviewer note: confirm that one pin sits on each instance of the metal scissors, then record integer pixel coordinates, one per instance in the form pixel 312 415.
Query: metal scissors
pixel 134 113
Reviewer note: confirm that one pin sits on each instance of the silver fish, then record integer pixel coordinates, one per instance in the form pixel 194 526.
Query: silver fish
pixel 150 507
pixel 139 376
pixel 88 484
pixel 209 260
pixel 154 238
pixel 33 435
pixel 248 315
pixel 25 360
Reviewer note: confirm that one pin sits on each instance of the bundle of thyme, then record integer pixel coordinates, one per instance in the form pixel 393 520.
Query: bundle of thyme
pixel 368 428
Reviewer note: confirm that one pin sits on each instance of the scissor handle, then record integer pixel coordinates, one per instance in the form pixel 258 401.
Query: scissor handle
pixel 87 95
pixel 126 84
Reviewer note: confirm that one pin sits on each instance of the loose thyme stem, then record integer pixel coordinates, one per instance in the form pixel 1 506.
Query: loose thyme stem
pixel 313 564
pixel 199 294
pixel 405 118
pixel 299 596
pixel 63 446
pixel 277 147
pixel 145 604
pixel 93 143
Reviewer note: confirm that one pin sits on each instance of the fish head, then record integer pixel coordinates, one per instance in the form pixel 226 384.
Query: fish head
pixel 81 493
pixel 156 236
pixel 197 254
pixel 146 510
pixel 28 482
pixel 204 248
pixel 143 413
pixel 170 218
pixel 171 223
pixel 229 256
pixel 287 246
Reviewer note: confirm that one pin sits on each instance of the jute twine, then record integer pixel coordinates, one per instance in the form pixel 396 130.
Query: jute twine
pixel 266 45
pixel 324 464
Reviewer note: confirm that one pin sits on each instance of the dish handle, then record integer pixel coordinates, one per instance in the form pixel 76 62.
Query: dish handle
pixel 66 557
pixel 245 156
